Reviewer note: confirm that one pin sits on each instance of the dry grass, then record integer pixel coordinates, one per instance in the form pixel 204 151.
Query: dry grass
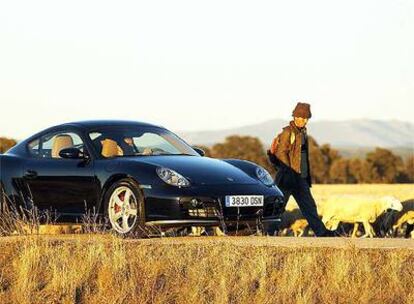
pixel 105 269
pixel 100 268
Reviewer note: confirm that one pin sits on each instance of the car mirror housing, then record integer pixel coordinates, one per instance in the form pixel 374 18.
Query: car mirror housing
pixel 71 153
pixel 199 151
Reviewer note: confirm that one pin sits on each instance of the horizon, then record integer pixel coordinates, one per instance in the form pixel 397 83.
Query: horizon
pixel 311 121
pixel 225 129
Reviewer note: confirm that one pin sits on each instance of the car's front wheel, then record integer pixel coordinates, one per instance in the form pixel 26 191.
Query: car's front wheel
pixel 124 207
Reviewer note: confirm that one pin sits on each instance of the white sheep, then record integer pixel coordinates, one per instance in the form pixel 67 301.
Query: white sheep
pixel 356 209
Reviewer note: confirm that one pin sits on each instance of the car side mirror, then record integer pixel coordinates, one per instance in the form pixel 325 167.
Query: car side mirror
pixel 199 151
pixel 71 153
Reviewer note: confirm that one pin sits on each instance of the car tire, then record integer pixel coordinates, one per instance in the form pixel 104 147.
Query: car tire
pixel 125 209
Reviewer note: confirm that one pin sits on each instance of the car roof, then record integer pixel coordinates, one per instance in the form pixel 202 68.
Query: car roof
pixel 90 124
pixel 86 125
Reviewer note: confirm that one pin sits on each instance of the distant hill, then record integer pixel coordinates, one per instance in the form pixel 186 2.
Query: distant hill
pixel 358 152
pixel 351 136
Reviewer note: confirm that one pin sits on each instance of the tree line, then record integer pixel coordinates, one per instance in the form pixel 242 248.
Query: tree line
pixel 6 144
pixel 327 164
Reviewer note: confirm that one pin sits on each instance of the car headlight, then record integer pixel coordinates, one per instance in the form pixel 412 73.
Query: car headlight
pixel 172 178
pixel 264 176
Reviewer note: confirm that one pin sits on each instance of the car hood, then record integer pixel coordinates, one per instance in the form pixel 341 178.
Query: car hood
pixel 200 170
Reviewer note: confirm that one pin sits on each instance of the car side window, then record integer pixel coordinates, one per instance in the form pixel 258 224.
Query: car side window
pixel 34 147
pixel 52 144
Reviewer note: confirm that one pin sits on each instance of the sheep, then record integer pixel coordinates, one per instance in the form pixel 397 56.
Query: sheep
pixel 407 218
pixel 408 205
pixel 288 219
pixel 299 227
pixel 410 230
pixel 357 209
pixel 54 229
pixel 198 231
pixel 382 225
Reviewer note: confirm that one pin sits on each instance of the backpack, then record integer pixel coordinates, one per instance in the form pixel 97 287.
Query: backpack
pixel 275 145
pixel 276 142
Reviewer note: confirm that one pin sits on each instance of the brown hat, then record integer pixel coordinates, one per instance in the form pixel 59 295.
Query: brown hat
pixel 302 110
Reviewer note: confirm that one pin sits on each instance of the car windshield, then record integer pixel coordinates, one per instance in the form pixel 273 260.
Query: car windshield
pixel 138 141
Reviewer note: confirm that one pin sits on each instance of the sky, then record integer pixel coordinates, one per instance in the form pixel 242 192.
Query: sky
pixel 203 65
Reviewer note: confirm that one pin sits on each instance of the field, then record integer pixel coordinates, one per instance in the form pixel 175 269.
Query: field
pixel 404 192
pixel 101 268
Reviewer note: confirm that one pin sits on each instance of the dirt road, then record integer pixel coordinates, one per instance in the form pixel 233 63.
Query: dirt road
pixel 251 241
pixel 290 242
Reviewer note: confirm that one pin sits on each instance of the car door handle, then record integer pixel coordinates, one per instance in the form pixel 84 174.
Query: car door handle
pixel 30 174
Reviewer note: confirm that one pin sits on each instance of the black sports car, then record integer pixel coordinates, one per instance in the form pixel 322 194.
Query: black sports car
pixel 136 175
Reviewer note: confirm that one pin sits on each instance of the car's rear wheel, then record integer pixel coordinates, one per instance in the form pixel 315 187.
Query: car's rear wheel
pixel 124 207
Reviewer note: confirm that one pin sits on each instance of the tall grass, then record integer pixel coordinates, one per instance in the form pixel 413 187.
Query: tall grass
pixel 98 267
pixel 106 269
pixel 15 219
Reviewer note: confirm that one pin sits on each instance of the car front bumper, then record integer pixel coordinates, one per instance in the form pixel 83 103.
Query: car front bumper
pixel 205 205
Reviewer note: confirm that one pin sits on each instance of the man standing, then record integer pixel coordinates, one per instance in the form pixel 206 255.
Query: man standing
pixel 290 154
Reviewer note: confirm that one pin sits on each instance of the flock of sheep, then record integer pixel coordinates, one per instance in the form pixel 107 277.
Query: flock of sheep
pixel 356 215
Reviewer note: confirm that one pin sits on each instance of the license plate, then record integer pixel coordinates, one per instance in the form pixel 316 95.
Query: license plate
pixel 244 200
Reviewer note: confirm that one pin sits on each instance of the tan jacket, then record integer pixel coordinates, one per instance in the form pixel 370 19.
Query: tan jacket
pixel 290 146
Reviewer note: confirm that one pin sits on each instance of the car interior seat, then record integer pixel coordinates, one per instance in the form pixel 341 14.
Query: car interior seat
pixel 110 148
pixel 61 142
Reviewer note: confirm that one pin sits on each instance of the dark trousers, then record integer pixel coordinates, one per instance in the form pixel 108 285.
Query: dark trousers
pixel 307 205
pixel 303 196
